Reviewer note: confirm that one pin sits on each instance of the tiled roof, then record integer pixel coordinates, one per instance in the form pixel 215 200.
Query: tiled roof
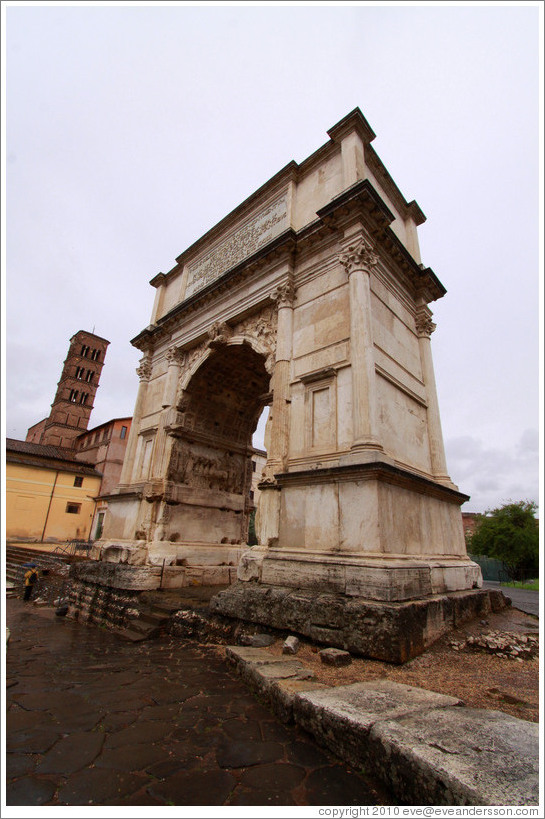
pixel 25 451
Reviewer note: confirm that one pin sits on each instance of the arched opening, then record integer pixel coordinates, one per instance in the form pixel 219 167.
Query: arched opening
pixel 259 459
pixel 211 463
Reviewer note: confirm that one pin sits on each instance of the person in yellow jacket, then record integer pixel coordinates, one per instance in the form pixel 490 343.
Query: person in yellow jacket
pixel 30 579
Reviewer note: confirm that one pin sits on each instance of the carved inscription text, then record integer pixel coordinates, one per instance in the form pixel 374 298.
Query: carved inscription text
pixel 244 241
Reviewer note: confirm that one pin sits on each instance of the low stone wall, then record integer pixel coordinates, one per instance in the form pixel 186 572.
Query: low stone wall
pixel 427 748
pixel 102 605
pixel 116 575
pixel 107 593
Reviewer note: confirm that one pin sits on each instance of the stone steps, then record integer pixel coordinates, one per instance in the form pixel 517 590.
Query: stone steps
pixel 154 614
pixel 16 559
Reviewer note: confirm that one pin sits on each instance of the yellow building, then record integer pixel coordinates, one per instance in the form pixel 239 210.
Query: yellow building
pixel 49 494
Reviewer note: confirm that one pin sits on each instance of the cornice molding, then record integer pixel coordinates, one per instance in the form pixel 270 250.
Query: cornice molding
pixel 375 471
pixel 354 121
pixel 359 202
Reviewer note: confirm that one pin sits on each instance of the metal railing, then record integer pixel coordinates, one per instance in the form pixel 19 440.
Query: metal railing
pixel 74 547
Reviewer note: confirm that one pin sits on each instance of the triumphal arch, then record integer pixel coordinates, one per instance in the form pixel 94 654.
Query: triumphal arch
pixel 311 298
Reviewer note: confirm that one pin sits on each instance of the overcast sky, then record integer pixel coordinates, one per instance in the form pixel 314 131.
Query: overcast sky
pixel 131 130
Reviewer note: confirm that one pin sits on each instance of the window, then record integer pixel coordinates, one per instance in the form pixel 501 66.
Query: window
pixel 105 434
pixel 78 480
pixel 79 372
pixel 73 508
pixel 123 432
pixel 74 396
pixel 95 354
pixel 85 351
pixel 89 376
pixel 84 397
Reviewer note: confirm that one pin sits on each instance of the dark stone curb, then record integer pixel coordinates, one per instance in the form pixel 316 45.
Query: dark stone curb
pixel 428 748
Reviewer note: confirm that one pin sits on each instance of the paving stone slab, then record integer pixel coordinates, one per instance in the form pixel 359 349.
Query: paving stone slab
pixel 130 701
pixel 148 731
pixel 132 758
pixel 32 741
pixel 21 720
pixel 459 756
pixel 72 753
pixel 341 718
pixel 118 720
pixel 53 701
pixel 190 746
pixel 247 654
pixel 141 798
pixel 169 767
pixel 169 693
pixel 307 753
pixel 29 791
pixel 286 670
pixel 237 730
pixel 161 712
pixel 195 788
pixel 333 785
pixel 274 776
pixel 261 798
pixel 99 786
pixel 19 765
pixel 240 754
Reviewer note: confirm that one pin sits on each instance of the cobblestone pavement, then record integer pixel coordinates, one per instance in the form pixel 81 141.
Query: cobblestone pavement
pixel 93 720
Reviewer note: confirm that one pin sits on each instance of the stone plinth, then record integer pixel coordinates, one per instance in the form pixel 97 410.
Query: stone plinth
pixel 390 631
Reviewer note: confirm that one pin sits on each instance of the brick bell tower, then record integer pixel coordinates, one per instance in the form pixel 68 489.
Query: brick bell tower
pixel 76 390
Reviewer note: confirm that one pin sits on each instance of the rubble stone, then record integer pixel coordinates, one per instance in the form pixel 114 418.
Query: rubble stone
pixel 291 645
pixel 335 656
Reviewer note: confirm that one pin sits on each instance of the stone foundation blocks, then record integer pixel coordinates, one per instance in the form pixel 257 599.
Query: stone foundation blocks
pixel 394 632
pixel 335 657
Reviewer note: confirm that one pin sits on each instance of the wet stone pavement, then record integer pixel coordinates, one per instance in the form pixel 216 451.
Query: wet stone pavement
pixel 94 720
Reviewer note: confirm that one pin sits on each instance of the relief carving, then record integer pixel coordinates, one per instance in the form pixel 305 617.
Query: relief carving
pixel 194 467
pixel 219 334
pixel 262 327
pixel 143 371
pixel 424 325
pixel 284 295
pixel 175 356
pixel 359 255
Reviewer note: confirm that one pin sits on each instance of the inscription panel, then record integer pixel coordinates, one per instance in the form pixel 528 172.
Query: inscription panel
pixel 241 243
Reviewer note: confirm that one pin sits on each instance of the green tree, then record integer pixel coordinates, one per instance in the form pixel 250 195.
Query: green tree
pixel 510 534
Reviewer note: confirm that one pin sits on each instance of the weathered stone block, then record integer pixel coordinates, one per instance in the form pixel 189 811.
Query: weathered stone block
pixel 394 632
pixel 257 640
pixel 291 645
pixel 341 718
pixel 458 756
pixel 335 657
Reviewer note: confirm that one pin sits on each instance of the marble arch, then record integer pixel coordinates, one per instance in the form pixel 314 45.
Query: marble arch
pixel 310 296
